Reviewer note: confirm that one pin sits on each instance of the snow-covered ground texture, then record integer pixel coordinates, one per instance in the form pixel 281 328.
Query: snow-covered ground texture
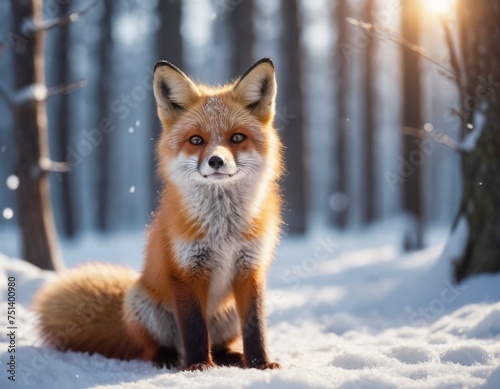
pixel 343 312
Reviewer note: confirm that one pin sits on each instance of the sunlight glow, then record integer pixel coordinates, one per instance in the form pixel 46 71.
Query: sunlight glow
pixel 438 6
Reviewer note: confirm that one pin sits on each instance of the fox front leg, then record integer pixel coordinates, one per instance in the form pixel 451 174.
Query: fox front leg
pixel 193 327
pixel 249 296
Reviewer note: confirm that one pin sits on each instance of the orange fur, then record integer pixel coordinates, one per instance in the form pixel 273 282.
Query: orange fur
pixel 82 311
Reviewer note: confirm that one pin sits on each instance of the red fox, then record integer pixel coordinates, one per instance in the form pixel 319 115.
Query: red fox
pixel 209 244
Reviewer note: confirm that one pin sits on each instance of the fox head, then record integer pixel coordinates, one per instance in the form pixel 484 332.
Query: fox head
pixel 217 136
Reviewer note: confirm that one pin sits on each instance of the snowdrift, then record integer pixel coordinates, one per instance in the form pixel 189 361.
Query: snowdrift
pixel 338 317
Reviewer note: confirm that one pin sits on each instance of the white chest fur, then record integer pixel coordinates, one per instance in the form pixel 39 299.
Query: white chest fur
pixel 224 251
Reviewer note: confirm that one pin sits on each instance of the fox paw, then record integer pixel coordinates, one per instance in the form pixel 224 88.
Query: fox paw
pixel 265 365
pixel 199 366
pixel 268 365
pixel 166 357
pixel 228 358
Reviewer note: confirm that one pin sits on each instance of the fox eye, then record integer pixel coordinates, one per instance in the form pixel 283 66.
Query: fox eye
pixel 196 140
pixel 238 138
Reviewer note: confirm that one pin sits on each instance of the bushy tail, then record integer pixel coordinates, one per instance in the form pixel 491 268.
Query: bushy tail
pixel 82 311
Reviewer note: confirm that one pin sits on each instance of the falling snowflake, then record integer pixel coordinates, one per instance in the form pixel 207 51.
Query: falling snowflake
pixel 8 213
pixel 12 182
pixel 132 189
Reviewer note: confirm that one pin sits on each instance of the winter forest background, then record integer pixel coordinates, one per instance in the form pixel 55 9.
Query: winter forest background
pixel 342 173
pixel 369 93
pixel 387 274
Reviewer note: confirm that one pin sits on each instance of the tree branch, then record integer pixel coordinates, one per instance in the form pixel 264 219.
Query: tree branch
pixel 65 89
pixel 37 92
pixel 57 22
pixel 34 92
pixel 440 138
pixel 455 65
pixel 393 36
pixel 49 166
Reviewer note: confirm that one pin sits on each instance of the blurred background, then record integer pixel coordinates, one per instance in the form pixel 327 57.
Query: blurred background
pixel 390 113
pixel 345 96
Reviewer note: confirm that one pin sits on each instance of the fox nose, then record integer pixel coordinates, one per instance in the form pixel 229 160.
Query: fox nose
pixel 215 162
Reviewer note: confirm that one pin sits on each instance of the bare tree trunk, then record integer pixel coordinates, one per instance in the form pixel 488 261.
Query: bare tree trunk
pixel 412 191
pixel 242 37
pixel 39 239
pixel 370 163
pixel 169 39
pixel 104 97
pixel 64 125
pixel 290 118
pixel 477 69
pixel 339 201
pixel 169 47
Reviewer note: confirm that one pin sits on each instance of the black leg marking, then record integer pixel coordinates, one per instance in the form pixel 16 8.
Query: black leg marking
pixel 226 357
pixel 251 309
pixel 195 337
pixel 253 336
pixel 166 357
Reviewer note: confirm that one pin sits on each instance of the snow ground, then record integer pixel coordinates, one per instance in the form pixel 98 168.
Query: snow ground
pixel 343 312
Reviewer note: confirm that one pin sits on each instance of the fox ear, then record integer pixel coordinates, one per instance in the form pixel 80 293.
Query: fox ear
pixel 256 89
pixel 173 90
